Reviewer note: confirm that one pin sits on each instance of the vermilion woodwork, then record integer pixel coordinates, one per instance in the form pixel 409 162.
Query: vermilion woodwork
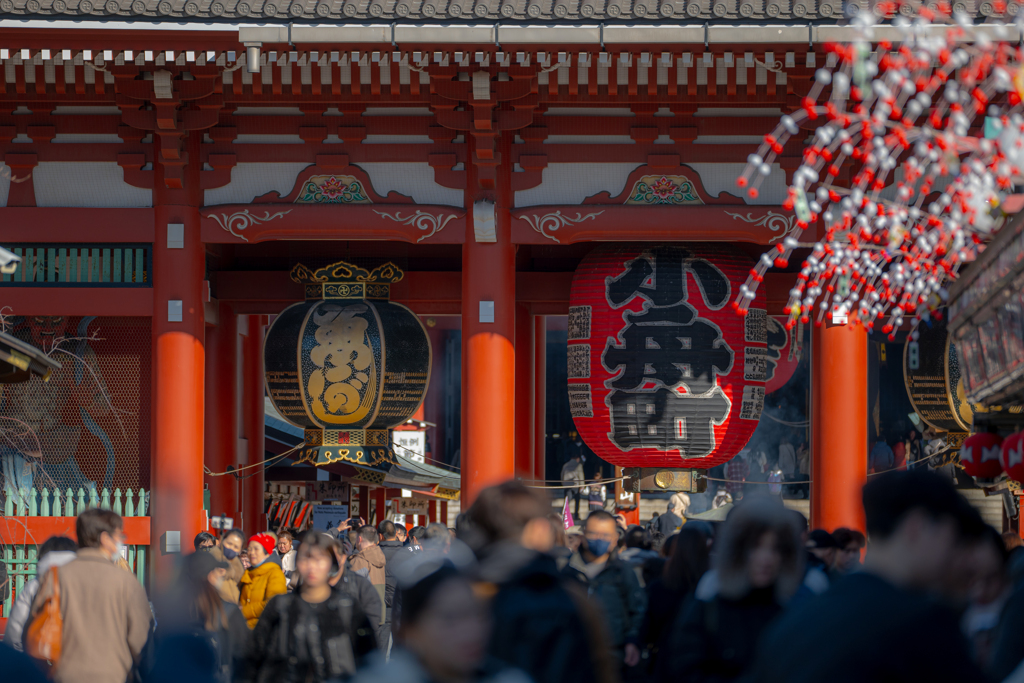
pixel 606 222
pixel 35 530
pixel 78 300
pixel 254 223
pixel 75 225
pixel 665 164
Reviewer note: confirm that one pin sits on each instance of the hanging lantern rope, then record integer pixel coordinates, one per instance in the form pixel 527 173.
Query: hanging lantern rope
pixel 905 118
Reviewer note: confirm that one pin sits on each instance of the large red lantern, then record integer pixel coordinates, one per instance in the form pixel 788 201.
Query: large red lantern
pixel 1012 456
pixel 662 372
pixel 783 352
pixel 980 455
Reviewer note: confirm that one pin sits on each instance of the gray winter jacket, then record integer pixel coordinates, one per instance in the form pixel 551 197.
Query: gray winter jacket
pixel 23 603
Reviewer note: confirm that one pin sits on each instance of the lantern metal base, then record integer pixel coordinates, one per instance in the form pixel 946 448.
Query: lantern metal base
pixel 361 447
pixel 640 479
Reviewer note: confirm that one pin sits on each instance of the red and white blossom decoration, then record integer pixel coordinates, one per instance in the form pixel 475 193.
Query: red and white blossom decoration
pixel 905 118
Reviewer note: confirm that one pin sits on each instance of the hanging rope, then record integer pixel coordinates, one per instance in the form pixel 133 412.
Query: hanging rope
pixel 810 481
pixel 266 463
pixel 569 486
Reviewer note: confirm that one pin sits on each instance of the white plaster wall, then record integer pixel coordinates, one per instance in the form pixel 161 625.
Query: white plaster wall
pixel 251 180
pixel 414 180
pixel 5 184
pixel 86 184
pixel 722 178
pixel 572 183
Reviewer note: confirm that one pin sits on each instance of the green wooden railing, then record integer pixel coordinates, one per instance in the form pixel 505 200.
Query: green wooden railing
pixel 81 265
pixel 20 558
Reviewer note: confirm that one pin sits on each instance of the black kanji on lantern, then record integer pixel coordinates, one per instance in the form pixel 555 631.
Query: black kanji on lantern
pixel 669 346
pixel 778 337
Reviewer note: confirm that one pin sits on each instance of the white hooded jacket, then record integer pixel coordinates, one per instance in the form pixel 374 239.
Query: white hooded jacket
pixel 18 620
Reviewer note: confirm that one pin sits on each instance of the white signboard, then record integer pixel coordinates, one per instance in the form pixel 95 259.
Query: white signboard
pixel 327 517
pixel 413 506
pixel 331 490
pixel 412 445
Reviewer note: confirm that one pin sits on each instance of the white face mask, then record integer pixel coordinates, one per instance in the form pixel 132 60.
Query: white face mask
pixel 117 556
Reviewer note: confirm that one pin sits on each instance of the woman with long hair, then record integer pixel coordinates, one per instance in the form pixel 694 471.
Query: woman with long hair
pixel 686 564
pixel 199 635
pixel 758 567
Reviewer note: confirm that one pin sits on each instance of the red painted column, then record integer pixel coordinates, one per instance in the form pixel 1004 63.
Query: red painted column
pixel 524 392
pixel 444 512
pixel 840 424
pixel 817 448
pixel 221 443
pixel 432 511
pixel 540 387
pixel 253 410
pixel 488 348
pixel 178 369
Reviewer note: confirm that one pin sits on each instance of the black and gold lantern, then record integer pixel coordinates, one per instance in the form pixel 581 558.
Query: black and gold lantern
pixel 347 364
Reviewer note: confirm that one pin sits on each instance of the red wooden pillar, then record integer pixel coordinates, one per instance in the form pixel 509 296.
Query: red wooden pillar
pixel 817 447
pixel 364 503
pixel 381 498
pixel 444 512
pixel 221 443
pixel 488 333
pixel 253 410
pixel 432 511
pixel 178 368
pixel 540 386
pixel 524 392
pixel 839 426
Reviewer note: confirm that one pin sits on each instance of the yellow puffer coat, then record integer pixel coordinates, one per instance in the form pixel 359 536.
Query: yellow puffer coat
pixel 259 584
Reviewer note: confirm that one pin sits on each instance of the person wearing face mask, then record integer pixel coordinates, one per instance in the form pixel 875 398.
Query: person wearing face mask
pixel 759 567
pixel 443 634
pixel 105 610
pixel 313 634
pixel 262 580
pixel 230 551
pixel 613 584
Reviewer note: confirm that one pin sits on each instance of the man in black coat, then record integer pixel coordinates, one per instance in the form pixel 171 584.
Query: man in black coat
pixel 883 624
pixel 395 553
pixel 542 622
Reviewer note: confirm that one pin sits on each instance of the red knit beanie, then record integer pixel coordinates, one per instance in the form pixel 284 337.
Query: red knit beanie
pixel 265 540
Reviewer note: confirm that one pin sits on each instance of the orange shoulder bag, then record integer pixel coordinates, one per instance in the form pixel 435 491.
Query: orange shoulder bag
pixel 44 634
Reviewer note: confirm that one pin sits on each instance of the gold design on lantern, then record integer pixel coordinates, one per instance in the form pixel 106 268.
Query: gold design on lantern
pixel 344 383
pixel 343 271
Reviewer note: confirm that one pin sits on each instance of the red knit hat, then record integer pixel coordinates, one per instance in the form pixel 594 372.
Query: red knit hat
pixel 265 540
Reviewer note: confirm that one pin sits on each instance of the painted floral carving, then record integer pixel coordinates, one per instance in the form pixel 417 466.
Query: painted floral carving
pixel 666 189
pixel 236 222
pixel 331 189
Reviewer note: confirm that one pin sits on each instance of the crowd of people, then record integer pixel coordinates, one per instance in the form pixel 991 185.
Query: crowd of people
pixel 509 596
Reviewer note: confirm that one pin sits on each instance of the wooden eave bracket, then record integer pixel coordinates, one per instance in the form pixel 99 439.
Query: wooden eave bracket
pixel 221 173
pixel 131 166
pixel 443 173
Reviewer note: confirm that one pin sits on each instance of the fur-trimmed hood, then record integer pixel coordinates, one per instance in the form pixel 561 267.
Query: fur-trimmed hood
pixel 747 522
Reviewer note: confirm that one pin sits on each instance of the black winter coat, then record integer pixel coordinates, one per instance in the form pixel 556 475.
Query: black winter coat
pixel 619 593
pixel 538 623
pixel 716 641
pixel 361 591
pixel 395 553
pixel 298 642
pixel 1008 642
pixel 865 629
